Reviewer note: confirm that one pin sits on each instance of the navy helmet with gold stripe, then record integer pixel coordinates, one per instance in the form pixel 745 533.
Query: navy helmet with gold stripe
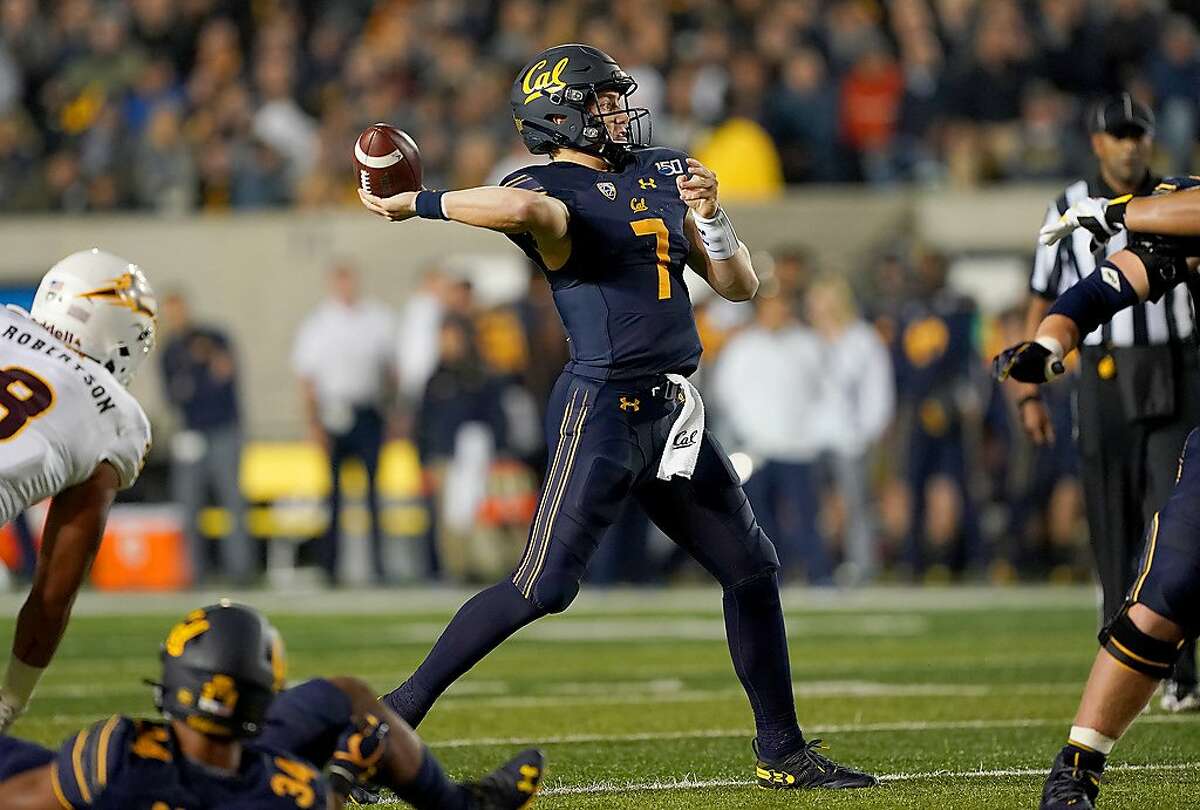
pixel 221 668
pixel 555 103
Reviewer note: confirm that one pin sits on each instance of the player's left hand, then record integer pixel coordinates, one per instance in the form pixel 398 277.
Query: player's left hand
pixel 1028 362
pixel 1090 213
pixel 698 189
pixel 396 208
pixel 358 754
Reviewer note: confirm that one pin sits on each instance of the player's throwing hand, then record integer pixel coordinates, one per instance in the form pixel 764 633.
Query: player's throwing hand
pixel 396 208
pixel 699 189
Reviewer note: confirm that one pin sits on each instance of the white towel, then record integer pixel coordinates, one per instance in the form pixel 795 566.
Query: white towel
pixel 683 442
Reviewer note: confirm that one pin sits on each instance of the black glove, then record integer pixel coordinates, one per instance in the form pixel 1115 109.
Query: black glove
pixel 1027 362
pixel 359 752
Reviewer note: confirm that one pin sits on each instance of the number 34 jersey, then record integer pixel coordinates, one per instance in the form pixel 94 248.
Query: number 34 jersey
pixel 61 415
pixel 124 764
pixel 621 294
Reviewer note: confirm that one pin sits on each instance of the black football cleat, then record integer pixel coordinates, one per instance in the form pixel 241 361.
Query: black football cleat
pixel 1070 785
pixel 364 795
pixel 512 786
pixel 806 768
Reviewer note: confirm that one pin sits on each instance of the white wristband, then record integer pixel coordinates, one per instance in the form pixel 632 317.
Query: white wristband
pixel 720 242
pixel 1052 345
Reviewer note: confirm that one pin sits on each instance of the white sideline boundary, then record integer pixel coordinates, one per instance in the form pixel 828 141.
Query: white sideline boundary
pixel 496 694
pixel 688 783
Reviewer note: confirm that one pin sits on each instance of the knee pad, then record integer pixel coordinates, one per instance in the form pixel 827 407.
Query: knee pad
pixel 554 593
pixel 1124 641
pixel 556 584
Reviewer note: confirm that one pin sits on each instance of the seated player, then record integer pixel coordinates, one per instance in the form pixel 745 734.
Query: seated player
pixel 1140 645
pixel 229 742
pixel 68 430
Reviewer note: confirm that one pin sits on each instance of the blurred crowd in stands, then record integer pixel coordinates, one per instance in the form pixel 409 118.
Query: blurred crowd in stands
pixel 177 105
pixel 871 439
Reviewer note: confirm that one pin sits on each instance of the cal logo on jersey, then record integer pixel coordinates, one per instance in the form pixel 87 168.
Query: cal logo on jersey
pixel 608 190
pixel 669 167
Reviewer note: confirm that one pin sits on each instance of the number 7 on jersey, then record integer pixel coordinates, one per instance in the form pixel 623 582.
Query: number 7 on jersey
pixel 662 247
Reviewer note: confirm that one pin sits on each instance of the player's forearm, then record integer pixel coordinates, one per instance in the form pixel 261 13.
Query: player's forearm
pixel 32 790
pixel 508 210
pixel 1119 283
pixel 734 278
pixel 1176 214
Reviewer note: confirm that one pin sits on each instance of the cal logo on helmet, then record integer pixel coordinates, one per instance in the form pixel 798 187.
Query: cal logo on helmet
pixel 194 624
pixel 539 80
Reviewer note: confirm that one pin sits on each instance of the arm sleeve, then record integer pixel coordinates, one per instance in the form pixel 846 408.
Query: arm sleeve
pixel 89 761
pixel 1047 262
pixel 1094 300
pixel 307 720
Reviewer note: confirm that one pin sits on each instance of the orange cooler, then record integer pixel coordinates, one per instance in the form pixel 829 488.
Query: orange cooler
pixel 143 550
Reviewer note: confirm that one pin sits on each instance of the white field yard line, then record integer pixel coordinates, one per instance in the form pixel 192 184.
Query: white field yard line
pixel 686 600
pixel 687 782
pixel 597 630
pixel 748 732
pixel 482 694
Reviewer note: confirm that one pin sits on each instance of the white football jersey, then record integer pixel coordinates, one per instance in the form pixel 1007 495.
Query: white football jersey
pixel 61 415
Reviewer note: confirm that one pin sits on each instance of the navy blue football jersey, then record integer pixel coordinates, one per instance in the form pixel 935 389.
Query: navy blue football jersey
pixel 124 764
pixel 621 295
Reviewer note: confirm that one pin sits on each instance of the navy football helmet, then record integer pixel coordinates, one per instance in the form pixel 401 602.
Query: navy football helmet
pixel 555 103
pixel 221 669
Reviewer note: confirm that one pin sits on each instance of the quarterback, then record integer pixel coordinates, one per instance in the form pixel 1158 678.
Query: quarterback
pixel 1140 645
pixel 69 430
pixel 612 222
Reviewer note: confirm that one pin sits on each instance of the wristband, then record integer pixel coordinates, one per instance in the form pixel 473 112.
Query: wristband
pixel 428 204
pixel 720 242
pixel 1051 345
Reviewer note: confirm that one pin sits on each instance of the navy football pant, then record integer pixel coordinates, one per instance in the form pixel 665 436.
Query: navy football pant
pixel 1168 580
pixel 605 440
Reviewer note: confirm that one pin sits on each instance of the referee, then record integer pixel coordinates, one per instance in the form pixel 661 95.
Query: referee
pixel 1139 389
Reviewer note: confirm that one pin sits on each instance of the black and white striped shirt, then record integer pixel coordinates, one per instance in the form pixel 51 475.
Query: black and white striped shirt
pixel 1058 266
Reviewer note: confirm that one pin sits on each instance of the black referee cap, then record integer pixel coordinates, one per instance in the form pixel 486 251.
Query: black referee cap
pixel 1121 115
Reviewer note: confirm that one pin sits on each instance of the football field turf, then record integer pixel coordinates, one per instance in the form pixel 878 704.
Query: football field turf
pixel 958 697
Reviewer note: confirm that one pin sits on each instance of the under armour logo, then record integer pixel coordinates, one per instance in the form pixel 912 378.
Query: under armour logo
pixel 638 204
pixel 685 439
pixel 646 182
pixel 634 405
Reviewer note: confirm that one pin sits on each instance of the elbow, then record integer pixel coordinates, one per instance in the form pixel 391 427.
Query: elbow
pixel 526 211
pixel 743 291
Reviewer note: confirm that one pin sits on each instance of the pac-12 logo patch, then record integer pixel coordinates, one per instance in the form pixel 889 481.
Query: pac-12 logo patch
pixel 669 167
pixel 608 190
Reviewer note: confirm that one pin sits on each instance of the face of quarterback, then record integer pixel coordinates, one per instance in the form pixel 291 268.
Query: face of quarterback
pixel 1124 155
pixel 611 107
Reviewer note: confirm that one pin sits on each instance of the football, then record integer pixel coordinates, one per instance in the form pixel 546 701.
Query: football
pixel 387 161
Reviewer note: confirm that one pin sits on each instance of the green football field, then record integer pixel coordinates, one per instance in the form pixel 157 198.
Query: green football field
pixel 959 698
